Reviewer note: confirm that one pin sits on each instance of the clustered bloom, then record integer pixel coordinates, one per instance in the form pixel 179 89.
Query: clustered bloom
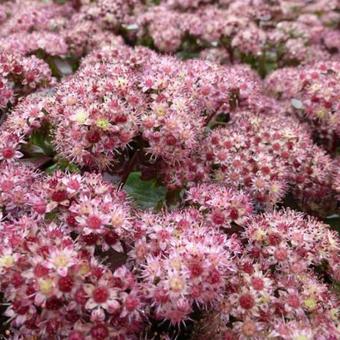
pixel 220 117
pixel 21 75
pixel 55 287
pixel 312 93
pixel 28 43
pixel 192 274
pixel 221 205
pixel 96 114
pixel 28 16
pixel 16 183
pixel 30 27
pixel 184 262
pixel 53 282
pixel 265 155
pixel 89 207
pixel 276 291
pixel 278 32
pixel 289 240
pixel 28 115
pixel 120 93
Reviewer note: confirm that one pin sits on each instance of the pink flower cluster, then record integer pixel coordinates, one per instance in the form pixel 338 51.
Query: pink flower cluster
pixel 96 113
pixel 222 207
pixel 184 265
pixel 29 26
pixel 55 230
pixel 221 116
pixel 312 93
pixel 277 31
pixel 56 287
pixel 20 76
pixel 275 284
pixel 267 155
pixel 49 272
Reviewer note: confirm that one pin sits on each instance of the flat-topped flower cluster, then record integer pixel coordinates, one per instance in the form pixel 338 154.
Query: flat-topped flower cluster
pixel 239 125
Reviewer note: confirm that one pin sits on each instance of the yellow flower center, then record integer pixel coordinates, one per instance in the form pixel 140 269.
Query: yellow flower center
pixel 160 111
pixel 177 234
pixel 84 268
pixel 117 220
pixel 260 235
pixel 275 188
pixel 46 286
pixel 61 261
pixel 321 113
pixel 301 337
pixel 176 264
pixel 80 117
pixel 177 284
pixel 6 261
pixel 103 123
pixel 121 82
pixel 310 303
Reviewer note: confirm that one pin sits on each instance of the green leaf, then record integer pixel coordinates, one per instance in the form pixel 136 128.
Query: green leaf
pixel 146 194
pixel 61 67
pixel 39 143
pixel 336 288
pixel 185 55
pixel 38 161
pixel 63 165
pixel 54 167
pixel 333 221
pixel 51 216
